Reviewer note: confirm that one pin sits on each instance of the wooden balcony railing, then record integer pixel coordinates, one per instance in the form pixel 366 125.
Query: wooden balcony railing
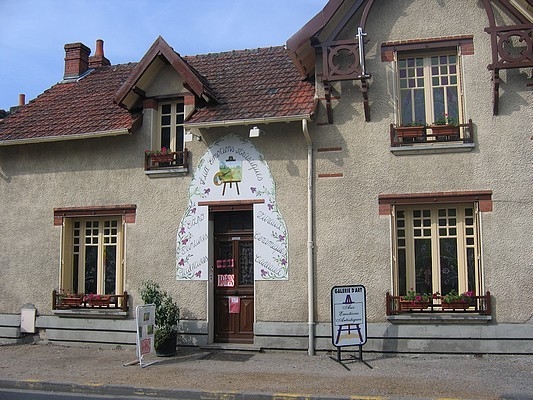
pixel 431 134
pixel 477 305
pixel 177 159
pixel 62 301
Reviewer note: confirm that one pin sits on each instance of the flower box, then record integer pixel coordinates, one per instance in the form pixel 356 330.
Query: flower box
pixel 445 131
pixel 162 158
pixel 410 132
pixel 73 300
pixel 456 305
pixel 97 300
pixel 406 305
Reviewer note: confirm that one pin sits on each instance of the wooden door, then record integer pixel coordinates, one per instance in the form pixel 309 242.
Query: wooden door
pixel 234 283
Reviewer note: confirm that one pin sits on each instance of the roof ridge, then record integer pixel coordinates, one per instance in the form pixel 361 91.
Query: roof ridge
pixel 234 51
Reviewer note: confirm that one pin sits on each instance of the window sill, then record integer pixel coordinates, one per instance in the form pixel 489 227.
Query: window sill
pixel 166 172
pixel 92 313
pixel 432 148
pixel 443 318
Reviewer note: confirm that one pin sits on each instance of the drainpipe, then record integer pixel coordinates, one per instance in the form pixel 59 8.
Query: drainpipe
pixel 310 244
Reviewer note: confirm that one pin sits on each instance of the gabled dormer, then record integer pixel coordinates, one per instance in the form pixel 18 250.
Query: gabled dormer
pixel 168 90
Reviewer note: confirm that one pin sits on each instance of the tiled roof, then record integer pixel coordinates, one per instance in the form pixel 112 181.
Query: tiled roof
pixel 248 85
pixel 252 84
pixel 73 108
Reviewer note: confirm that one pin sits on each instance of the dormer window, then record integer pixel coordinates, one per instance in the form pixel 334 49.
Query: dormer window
pixel 167 155
pixel 171 117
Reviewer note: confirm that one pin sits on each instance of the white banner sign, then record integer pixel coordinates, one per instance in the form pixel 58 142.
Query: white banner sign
pixel 232 170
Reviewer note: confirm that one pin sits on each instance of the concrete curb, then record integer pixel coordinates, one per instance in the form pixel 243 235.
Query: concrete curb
pixel 118 390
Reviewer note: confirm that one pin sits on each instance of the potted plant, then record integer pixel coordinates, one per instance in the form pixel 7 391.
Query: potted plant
pixel 165 155
pixel 167 314
pixel 411 130
pixel 97 300
pixel 454 300
pixel 445 127
pixel 413 300
pixel 65 299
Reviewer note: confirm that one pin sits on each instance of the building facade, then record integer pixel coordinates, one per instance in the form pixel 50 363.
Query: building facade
pixel 251 183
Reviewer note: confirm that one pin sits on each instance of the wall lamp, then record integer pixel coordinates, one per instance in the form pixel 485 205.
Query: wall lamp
pixel 255 132
pixel 187 137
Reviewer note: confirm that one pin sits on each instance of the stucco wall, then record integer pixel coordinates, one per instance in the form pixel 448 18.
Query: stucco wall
pixel 352 240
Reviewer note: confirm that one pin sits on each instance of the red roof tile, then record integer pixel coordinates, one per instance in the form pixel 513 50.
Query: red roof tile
pixel 248 85
pixel 252 84
pixel 73 108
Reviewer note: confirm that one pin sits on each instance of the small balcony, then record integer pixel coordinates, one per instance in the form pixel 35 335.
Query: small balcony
pixel 166 163
pixel 431 135
pixel 480 305
pixel 80 301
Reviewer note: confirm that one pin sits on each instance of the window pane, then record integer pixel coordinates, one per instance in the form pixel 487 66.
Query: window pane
pixel 452 101
pixel 402 272
pixel 91 260
pixel 166 109
pixel 438 103
pixel 420 106
pixel 246 262
pixel 165 137
pixel 110 266
pixel 449 278
pixel 423 272
pixel 165 120
pixel 471 269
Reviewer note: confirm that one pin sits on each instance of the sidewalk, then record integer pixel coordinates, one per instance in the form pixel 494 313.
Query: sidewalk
pixel 229 374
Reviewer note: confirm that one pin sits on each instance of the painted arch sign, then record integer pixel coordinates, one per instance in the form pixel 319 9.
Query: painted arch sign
pixel 232 169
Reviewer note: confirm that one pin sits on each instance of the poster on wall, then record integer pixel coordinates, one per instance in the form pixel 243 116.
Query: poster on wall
pixel 232 169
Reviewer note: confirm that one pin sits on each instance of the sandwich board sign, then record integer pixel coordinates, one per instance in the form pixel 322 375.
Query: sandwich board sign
pixel 348 316
pixel 145 321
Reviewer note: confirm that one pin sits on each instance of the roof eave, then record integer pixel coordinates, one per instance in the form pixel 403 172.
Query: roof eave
pixel 248 121
pixel 299 44
pixel 161 48
pixel 45 139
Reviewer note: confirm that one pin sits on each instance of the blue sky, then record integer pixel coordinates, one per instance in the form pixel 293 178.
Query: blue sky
pixel 33 32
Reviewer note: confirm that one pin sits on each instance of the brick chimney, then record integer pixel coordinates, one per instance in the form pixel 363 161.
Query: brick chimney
pixel 76 60
pixel 98 60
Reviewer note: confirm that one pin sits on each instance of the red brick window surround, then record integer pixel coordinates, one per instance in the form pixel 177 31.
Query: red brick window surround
pixel 436 240
pixel 482 197
pixel 464 42
pixel 127 211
